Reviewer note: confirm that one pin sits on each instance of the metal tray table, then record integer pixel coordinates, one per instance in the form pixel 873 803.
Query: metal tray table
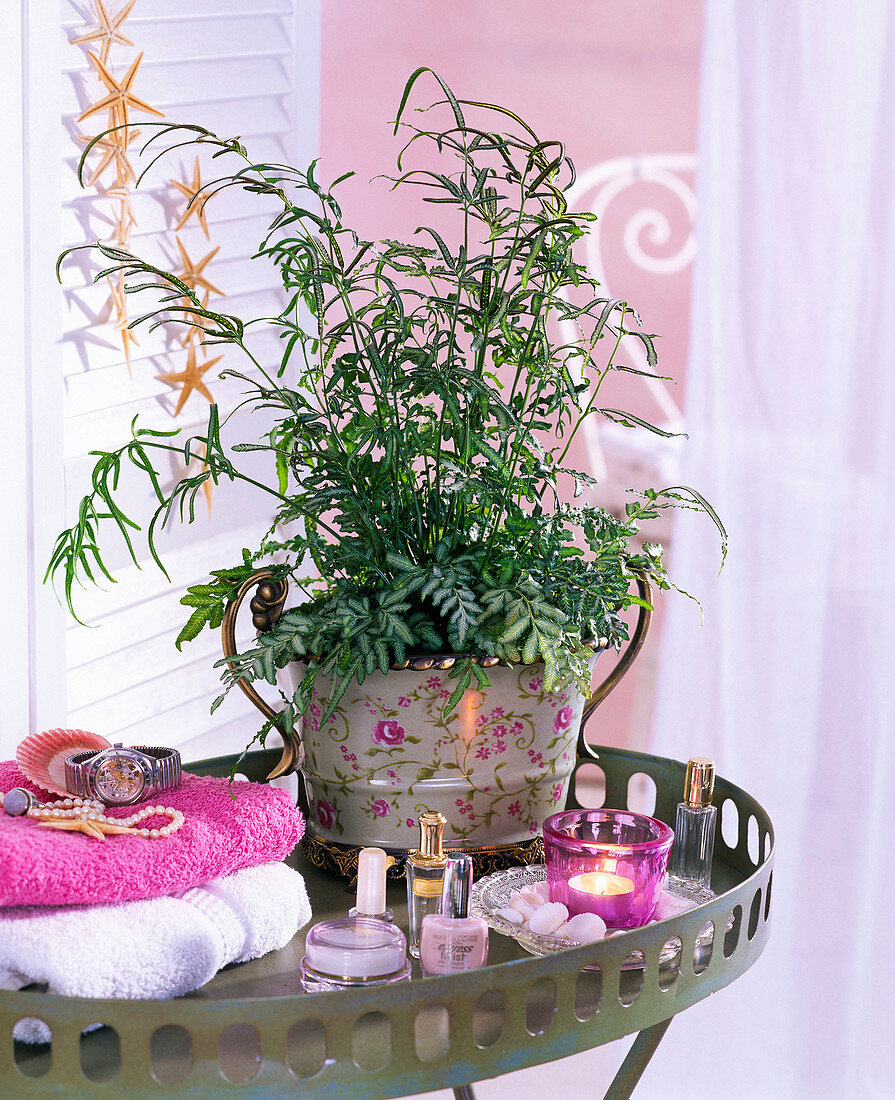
pixel 252 1032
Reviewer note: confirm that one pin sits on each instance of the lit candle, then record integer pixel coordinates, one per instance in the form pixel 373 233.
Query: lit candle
pixel 598 882
pixel 608 895
pixel 608 862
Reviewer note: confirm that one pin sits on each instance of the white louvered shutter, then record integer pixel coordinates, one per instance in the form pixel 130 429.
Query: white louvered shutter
pixel 240 69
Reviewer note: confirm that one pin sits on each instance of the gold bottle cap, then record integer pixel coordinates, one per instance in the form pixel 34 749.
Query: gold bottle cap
pixel 700 782
pixel 432 823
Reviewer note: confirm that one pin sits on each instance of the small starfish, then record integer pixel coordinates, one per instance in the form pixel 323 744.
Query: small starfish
pixel 109 29
pixel 123 222
pixel 115 192
pixel 114 152
pixel 119 306
pixel 89 827
pixel 120 97
pixel 192 378
pixel 192 272
pixel 194 206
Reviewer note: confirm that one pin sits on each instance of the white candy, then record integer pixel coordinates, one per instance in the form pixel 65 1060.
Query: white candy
pixel 585 928
pixel 512 916
pixel 550 916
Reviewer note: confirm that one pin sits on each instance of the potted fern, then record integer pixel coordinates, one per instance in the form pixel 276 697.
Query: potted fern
pixel 452 585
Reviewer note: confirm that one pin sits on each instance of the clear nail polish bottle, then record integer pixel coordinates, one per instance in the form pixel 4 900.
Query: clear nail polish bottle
pixel 452 940
pixel 690 864
pixel 424 870
pixel 372 864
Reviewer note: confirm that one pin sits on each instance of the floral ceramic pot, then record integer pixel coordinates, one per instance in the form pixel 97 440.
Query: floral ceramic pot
pixel 496 767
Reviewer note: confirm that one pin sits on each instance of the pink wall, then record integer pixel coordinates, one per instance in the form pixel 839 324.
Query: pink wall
pixel 609 80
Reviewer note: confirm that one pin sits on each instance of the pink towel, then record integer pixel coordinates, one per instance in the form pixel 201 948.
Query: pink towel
pixel 220 834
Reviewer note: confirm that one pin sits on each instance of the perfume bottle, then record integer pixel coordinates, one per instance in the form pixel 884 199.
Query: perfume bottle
pixel 372 864
pixel 690 865
pixel 424 870
pixel 452 940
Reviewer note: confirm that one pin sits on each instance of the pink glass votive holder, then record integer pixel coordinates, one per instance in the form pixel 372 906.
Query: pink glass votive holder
pixel 608 862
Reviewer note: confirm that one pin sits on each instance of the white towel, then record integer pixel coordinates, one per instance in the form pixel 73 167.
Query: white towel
pixel 154 949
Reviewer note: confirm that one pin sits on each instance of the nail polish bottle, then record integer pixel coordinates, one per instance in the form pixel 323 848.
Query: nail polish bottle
pixel 424 870
pixel 452 940
pixel 372 864
pixel 690 864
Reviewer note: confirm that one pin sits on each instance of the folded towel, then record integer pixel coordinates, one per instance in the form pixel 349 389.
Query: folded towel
pixel 259 824
pixel 154 949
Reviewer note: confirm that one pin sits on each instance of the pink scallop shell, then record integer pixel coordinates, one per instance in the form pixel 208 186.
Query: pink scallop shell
pixel 41 756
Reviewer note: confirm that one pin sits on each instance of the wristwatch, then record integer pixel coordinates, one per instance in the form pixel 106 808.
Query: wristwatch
pixel 120 776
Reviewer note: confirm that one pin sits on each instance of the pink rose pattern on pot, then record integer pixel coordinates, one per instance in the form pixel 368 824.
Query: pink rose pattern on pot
pixel 563 719
pixel 514 767
pixel 388 732
pixel 326 813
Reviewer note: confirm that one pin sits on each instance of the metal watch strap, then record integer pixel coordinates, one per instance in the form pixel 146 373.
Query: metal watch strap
pixel 166 768
pixel 165 765
pixel 75 780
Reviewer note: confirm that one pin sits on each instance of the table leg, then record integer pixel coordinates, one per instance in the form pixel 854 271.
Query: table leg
pixel 636 1061
pixel 463 1092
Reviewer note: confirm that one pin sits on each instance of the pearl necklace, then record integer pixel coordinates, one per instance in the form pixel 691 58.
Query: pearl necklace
pixel 91 810
pixel 88 810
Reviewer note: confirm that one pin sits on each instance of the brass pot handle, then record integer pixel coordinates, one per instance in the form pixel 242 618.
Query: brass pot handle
pixel 629 653
pixel 266 606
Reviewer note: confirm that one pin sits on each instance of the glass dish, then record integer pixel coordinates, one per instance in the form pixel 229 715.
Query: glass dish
pixel 494 892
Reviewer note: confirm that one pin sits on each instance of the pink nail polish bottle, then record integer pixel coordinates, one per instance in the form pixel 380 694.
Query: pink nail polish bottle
pixel 451 940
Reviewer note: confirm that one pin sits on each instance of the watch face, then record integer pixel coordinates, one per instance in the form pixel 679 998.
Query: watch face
pixel 119 779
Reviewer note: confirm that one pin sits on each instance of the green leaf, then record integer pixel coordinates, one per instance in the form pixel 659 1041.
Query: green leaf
pixel 456 695
pixel 629 420
pixel 193 627
pixel 455 106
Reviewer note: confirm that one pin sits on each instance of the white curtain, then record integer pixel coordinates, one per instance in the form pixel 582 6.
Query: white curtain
pixel 791 406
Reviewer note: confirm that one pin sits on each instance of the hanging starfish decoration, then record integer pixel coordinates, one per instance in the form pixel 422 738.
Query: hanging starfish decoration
pixel 192 272
pixel 120 98
pixel 109 29
pixel 123 222
pixel 195 205
pixel 191 378
pixel 119 307
pixel 114 152
pixel 89 827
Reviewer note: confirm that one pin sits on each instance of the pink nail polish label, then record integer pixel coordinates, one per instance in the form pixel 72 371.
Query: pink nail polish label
pixel 449 944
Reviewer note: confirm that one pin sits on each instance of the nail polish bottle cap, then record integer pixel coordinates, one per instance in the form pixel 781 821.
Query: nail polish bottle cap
pixel 700 782
pixel 371 868
pixel 457 885
pixel 432 823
